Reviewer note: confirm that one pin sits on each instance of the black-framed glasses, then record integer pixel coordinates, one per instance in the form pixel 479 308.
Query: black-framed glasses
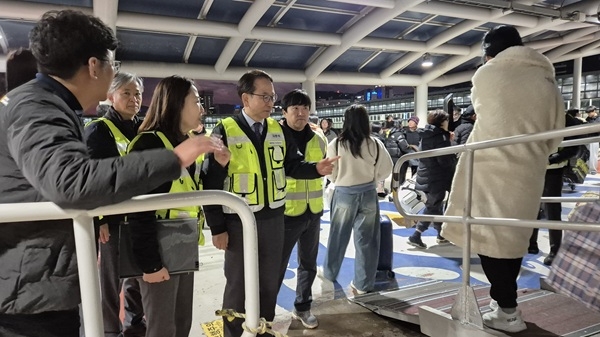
pixel 265 98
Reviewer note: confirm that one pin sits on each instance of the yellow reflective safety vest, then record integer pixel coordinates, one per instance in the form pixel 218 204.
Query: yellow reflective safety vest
pixel 185 183
pixel 120 139
pixel 307 193
pixel 245 177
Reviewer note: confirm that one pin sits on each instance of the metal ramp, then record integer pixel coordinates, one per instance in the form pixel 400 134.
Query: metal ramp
pixel 429 304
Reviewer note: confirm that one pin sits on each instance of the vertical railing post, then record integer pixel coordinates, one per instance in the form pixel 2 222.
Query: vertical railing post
pixel 466 255
pixel 89 283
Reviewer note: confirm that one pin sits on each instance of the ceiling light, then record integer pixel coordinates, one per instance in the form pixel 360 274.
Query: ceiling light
pixel 427 61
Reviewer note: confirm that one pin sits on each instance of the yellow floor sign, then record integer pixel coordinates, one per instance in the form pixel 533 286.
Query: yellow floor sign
pixel 213 329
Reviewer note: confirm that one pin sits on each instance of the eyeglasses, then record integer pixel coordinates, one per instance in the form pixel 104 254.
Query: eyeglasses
pixel 116 65
pixel 265 98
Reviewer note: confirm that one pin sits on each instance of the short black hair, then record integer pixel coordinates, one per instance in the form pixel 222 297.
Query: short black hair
pixel 295 97
pixel 499 39
pixel 246 82
pixel 63 41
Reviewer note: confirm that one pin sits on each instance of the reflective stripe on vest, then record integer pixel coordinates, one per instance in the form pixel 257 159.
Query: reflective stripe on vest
pixel 245 177
pixel 120 140
pixel 301 193
pixel 185 183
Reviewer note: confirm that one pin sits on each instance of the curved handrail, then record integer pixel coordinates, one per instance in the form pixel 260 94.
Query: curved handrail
pixel 464 302
pixel 86 251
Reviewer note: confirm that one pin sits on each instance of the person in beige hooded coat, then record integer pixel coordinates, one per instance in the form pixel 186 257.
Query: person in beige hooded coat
pixel 514 93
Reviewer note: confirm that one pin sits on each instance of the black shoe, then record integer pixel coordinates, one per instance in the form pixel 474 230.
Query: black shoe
pixel 533 249
pixel 550 258
pixel 416 241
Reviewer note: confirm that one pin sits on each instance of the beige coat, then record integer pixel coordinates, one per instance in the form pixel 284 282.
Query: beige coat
pixel 513 94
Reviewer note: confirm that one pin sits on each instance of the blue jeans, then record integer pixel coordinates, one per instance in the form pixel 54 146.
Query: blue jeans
pixel 358 212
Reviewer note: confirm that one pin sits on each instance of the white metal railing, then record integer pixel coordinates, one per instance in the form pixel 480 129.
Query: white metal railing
pixel 463 309
pixel 85 242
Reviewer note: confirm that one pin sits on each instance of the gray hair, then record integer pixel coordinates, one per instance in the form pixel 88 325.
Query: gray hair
pixel 122 79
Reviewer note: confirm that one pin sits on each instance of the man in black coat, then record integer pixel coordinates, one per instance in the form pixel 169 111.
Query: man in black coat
pixel 43 158
pixel 462 132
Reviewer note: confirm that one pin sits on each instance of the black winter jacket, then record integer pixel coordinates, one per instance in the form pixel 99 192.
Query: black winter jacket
pixel 435 173
pixel 43 158
pixel 462 132
pixel 396 144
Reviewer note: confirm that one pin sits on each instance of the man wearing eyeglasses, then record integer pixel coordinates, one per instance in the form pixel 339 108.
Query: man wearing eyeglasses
pixel 262 155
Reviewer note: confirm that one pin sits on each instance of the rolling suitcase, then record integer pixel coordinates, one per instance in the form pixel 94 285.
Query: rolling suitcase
pixel 386 249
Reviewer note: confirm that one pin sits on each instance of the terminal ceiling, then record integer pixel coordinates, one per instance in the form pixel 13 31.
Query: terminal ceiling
pixel 356 42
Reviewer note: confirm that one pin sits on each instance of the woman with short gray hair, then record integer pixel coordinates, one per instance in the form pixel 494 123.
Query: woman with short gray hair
pixel 106 137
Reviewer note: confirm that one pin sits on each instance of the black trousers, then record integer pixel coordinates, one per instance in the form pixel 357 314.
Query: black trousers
pixel 110 287
pixel 48 324
pixel 552 188
pixel 502 274
pixel 270 253
pixel 304 231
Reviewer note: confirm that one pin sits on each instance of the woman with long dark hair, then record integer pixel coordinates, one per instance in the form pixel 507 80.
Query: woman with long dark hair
pixel 174 112
pixel 364 161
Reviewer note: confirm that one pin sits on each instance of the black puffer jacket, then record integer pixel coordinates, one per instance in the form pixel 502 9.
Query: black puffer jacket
pixel 435 173
pixel 43 158
pixel 462 132
pixel 396 144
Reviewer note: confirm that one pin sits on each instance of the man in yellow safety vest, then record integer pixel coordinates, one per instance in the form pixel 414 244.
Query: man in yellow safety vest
pixel 303 205
pixel 262 155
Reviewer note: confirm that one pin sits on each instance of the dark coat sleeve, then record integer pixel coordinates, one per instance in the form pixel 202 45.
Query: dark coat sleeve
pixel 294 163
pixel 213 179
pixel 47 145
pixel 101 144
pixel 144 238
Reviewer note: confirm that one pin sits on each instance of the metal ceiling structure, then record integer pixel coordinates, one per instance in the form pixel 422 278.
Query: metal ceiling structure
pixel 360 42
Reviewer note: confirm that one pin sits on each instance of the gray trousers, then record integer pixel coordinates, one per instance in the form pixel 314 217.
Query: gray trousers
pixel 168 306
pixel 110 287
pixel 305 232
pixel 270 249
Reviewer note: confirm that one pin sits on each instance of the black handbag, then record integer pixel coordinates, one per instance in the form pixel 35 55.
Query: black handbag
pixel 178 245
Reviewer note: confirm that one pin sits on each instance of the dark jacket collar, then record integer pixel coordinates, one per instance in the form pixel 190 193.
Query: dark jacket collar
pixel 61 91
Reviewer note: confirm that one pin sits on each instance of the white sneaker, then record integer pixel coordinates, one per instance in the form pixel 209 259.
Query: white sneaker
pixel 493 305
pixel 500 320
pixel 358 291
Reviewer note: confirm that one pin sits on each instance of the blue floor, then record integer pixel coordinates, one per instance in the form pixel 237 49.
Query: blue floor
pixel 439 262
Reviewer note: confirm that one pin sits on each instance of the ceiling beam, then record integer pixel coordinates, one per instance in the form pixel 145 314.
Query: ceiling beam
pixel 567 48
pixel 387 44
pixel 474 13
pixel 555 41
pixel 583 52
pixel 455 61
pixel 439 39
pixel 247 23
pixel 205 72
pixel 389 4
pixel 358 31
pixel 107 11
